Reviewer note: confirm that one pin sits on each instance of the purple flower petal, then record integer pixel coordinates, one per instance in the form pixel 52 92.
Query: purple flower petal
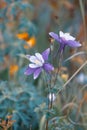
pixel 45 54
pixel 48 67
pixel 73 44
pixel 29 71
pixel 55 36
pixel 37 72
pixel 61 40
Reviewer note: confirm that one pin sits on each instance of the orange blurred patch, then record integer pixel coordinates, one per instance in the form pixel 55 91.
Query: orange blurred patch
pixel 13 69
pixel 53 4
pixel 78 60
pixel 85 96
pixel 23 36
pixel 65 77
pixel 26 46
pixel 31 42
pixel 3 4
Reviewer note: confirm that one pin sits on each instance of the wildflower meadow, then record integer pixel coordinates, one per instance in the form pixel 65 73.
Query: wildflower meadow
pixel 43 64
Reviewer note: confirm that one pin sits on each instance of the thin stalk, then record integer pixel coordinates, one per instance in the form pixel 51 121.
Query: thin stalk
pixel 83 18
pixel 51 101
pixel 47 124
pixel 59 66
pixel 74 74
pixel 48 103
pixel 30 127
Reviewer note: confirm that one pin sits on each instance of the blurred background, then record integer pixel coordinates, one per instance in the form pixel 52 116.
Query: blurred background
pixel 24 28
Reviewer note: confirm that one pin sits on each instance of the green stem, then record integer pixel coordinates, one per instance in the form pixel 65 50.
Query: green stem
pixel 47 124
pixel 59 66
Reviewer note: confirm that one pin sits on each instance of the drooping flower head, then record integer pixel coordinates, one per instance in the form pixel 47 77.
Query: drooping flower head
pixel 38 63
pixel 65 39
pixel 51 97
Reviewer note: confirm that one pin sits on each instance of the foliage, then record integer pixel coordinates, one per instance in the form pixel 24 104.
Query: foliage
pixel 20 101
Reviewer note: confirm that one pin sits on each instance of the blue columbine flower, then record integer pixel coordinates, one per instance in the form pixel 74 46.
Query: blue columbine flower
pixel 38 63
pixel 65 39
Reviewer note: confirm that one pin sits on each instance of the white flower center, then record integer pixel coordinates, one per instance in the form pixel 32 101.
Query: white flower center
pixel 66 36
pixel 37 60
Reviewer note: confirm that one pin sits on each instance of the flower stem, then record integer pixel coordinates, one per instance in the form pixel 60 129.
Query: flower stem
pixel 59 66
pixel 47 124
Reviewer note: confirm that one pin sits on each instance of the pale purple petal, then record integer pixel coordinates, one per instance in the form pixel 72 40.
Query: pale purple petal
pixel 39 57
pixel 29 71
pixel 66 36
pixel 37 72
pixel 73 44
pixel 28 57
pixel 33 59
pixel 48 67
pixel 46 53
pixel 55 36
pixel 34 65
